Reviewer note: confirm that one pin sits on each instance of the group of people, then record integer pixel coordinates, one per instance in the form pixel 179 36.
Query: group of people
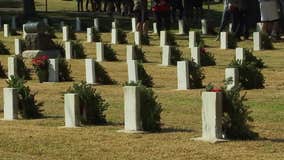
pixel 269 13
pixel 237 12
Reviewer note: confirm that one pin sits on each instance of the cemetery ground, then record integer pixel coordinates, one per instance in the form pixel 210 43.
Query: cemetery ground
pixel 181 116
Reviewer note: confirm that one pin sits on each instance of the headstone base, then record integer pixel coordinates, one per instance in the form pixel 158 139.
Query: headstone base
pixel 209 140
pixel 36 53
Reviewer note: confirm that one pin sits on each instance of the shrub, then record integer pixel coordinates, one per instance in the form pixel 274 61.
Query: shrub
pixel 22 71
pixel 102 76
pixel 144 77
pixel 29 108
pixel 236 115
pixel 92 105
pixel 196 75
pixel 121 37
pixel 3 49
pixel 232 41
pixel 72 34
pixel 140 54
pixel 78 50
pixel 250 58
pixel 64 70
pixel 171 39
pixel 151 109
pixel 145 39
pixel 207 58
pixel 199 41
pixel 59 46
pixel 41 65
pixel 2 71
pixel 250 76
pixel 176 55
pixel 109 53
pixel 51 32
pixel 97 36
pixel 266 41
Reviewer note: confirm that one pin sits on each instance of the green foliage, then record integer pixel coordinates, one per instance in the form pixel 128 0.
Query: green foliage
pixel 171 39
pixel 176 55
pixel 121 37
pixel 92 105
pixel 59 46
pixel 145 39
pixel 236 116
pixel 196 75
pixel 144 77
pixel 51 32
pixel 109 53
pixel 207 58
pixel 232 41
pixel 78 50
pixel 199 41
pixel 29 108
pixel 22 70
pixel 102 76
pixel 250 76
pixel 250 58
pixel 64 70
pixel 3 49
pixel 266 41
pixel 72 34
pixel 151 109
pixel 139 54
pixel 2 71
pixel 97 35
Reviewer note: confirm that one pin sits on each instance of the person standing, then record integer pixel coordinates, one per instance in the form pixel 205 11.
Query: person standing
pixel 161 11
pixel 141 15
pixel 80 6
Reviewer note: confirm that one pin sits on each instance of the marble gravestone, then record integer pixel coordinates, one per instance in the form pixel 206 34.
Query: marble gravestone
pixel 37 42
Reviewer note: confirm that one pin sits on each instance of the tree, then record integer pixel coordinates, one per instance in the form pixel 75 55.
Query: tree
pixel 29 8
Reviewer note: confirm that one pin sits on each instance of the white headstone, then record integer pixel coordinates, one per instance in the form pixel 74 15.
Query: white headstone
pixel 114 25
pixel 192 39
pixel 233 75
pixel 6 30
pixel 114 39
pixel 130 52
pixel 13 23
pixel 62 24
pixel 78 24
pixel 163 38
pixel 12 67
pixel 132 117
pixel 224 40
pixel 181 26
pixel 71 109
pixel 155 28
pixel 195 55
pixel 259 27
pixel 204 26
pixel 65 32
pixel 182 75
pixel 133 22
pixel 68 50
pixel 18 47
pixel 10 100
pixel 166 55
pixel 212 116
pixel 132 71
pixel 96 24
pixel 90 35
pixel 45 21
pixel 240 54
pixel 230 27
pixel 24 32
pixel 257 41
pixel 100 51
pixel 90 71
pixel 53 70
pixel 137 38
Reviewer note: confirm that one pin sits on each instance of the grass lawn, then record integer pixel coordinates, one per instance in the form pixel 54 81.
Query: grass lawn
pixel 181 116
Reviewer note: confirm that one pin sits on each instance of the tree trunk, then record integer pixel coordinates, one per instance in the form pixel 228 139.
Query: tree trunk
pixel 29 8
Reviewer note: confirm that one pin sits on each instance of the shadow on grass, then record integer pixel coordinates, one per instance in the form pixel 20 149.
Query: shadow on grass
pixel 173 130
